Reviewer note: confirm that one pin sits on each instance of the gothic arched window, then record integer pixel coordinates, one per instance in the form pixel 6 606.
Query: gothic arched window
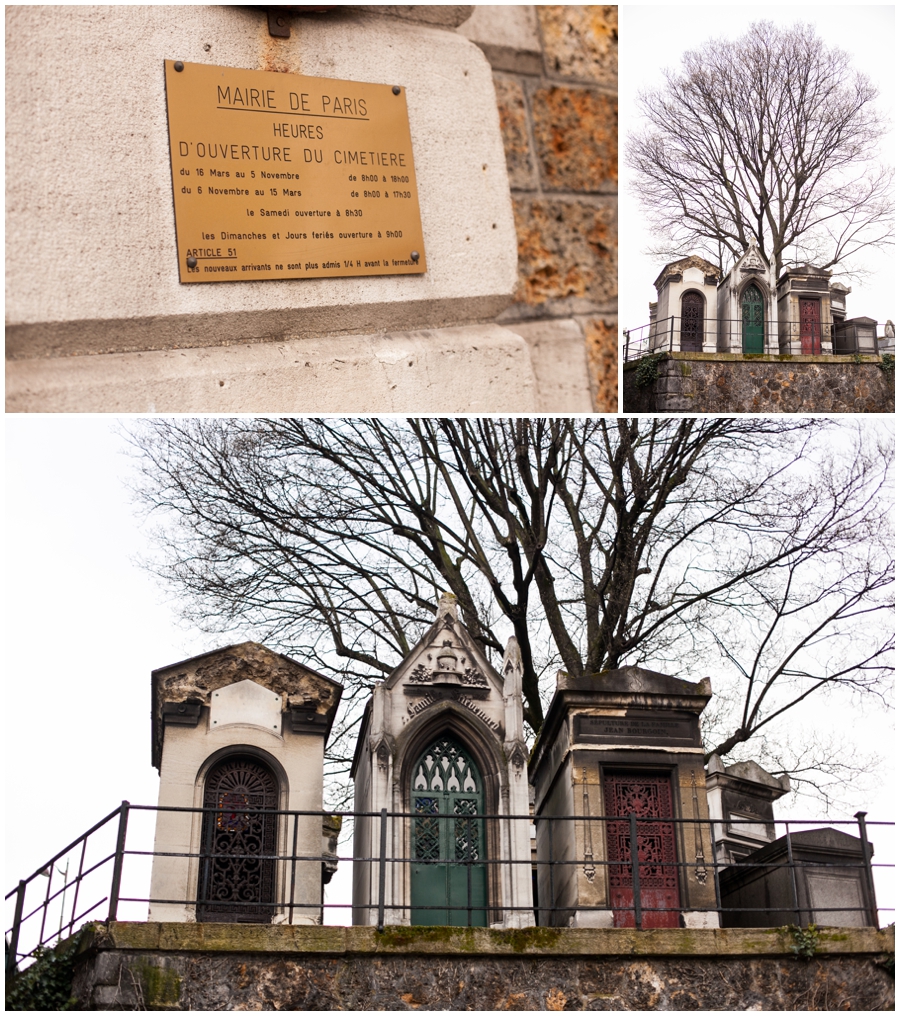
pixel 449 878
pixel 237 866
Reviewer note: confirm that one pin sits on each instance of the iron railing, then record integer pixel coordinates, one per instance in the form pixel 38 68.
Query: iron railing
pixel 726 336
pixel 98 880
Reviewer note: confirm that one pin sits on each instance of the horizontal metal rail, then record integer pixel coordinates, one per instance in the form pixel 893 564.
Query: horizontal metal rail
pixel 726 335
pixel 287 898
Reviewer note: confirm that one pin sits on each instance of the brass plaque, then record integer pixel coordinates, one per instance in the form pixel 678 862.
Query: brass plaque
pixel 278 176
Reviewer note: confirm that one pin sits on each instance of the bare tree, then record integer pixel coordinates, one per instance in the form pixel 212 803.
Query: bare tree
pixel 600 542
pixel 770 138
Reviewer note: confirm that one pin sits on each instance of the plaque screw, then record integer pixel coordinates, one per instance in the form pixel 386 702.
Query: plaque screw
pixel 415 255
pixel 192 262
pixel 179 66
pixel 396 89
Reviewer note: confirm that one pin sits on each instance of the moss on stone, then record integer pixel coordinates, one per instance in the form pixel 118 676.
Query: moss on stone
pixel 161 986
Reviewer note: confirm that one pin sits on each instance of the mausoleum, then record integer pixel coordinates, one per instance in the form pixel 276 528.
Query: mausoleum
pixel 441 740
pixel 238 735
pixel 620 803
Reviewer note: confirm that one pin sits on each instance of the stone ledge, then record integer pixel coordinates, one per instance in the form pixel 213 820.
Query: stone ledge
pixel 338 941
pixel 471 368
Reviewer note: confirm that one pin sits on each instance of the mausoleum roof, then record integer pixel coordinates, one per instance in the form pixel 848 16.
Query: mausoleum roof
pixel 193 680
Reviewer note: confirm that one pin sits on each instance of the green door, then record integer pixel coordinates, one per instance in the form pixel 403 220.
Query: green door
pixel 449 878
pixel 752 320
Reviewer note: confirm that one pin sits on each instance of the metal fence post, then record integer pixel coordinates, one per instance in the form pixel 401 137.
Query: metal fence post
pixel 13 949
pixel 860 817
pixel 635 872
pixel 117 864
pixel 381 869
pixel 671 334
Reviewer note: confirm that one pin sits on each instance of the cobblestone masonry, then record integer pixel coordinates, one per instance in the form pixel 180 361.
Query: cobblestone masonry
pixel 455 969
pixel 559 117
pixel 770 384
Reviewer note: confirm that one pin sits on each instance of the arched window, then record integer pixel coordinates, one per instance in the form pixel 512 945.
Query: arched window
pixel 752 320
pixel 692 322
pixel 237 866
pixel 449 878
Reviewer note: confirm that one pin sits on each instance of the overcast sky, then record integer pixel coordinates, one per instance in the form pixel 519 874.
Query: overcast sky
pixel 653 38
pixel 86 625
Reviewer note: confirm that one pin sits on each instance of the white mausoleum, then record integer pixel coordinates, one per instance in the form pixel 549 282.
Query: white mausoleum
pixel 238 735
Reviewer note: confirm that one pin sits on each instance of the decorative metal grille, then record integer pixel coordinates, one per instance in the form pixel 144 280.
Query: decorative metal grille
pixel 466 831
pixel 752 307
pixel 428 834
pixel 646 797
pixel 810 327
pixel 692 323
pixel 237 869
pixel 445 766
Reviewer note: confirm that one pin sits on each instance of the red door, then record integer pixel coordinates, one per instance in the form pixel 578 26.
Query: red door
pixel 810 327
pixel 649 798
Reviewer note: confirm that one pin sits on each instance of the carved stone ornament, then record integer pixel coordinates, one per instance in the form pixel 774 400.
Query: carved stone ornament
pixel 420 675
pixel 447 622
pixel 752 260
pixel 519 759
pixel 472 676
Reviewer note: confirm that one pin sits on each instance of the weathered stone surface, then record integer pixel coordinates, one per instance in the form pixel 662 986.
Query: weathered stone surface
pixel 442 969
pixel 560 363
pixel 472 368
pixel 576 134
pixel 770 384
pixel 442 15
pixel 507 35
pixel 567 252
pixel 519 161
pixel 581 41
pixel 603 359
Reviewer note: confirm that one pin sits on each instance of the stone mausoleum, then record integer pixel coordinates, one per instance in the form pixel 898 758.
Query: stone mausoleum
pixel 240 732
pixel 615 745
pixel 442 739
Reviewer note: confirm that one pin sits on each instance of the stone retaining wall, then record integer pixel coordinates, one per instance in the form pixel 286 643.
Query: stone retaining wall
pixel 131 967
pixel 733 383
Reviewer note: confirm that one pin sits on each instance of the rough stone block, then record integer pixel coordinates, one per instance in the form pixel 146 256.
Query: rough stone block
pixel 474 368
pixel 443 15
pixel 508 36
pixel 567 252
pixel 581 41
pixel 576 134
pixel 602 354
pixel 560 365
pixel 90 227
pixel 519 161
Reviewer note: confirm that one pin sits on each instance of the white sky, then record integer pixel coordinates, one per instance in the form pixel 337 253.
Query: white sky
pixel 86 625
pixel 653 38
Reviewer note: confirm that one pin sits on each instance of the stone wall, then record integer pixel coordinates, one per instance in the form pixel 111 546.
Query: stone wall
pixel 555 73
pixel 129 967
pixel 732 383
pixel 516 310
